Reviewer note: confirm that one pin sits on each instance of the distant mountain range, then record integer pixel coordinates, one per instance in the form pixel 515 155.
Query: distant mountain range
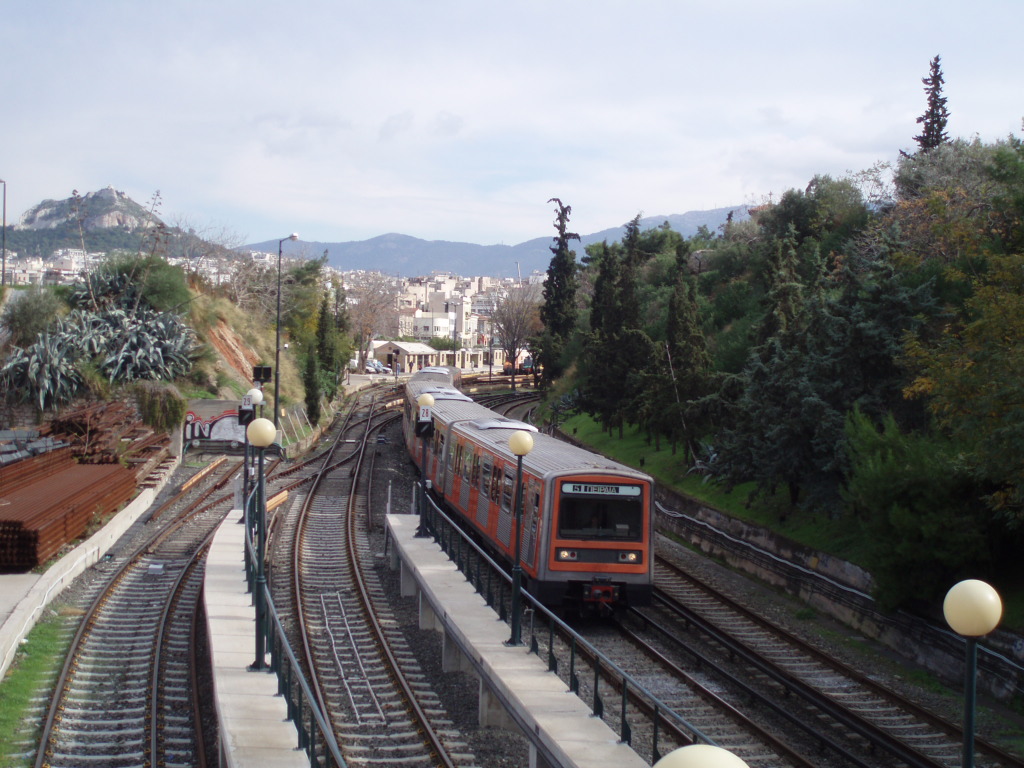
pixel 109 220
pixel 408 256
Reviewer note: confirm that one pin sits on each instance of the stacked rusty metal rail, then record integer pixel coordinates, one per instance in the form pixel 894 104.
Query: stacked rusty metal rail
pixel 46 508
pixel 107 432
pixel 50 499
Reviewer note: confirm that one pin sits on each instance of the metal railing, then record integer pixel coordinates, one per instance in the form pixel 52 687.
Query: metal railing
pixel 549 636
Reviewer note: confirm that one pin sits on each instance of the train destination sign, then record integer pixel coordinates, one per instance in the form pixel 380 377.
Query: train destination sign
pixel 601 489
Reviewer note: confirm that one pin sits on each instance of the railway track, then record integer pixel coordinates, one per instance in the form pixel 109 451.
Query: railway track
pixel 366 677
pixel 825 706
pixel 127 694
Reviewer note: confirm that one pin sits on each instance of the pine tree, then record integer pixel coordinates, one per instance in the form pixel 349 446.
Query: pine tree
pixel 687 357
pixel 936 116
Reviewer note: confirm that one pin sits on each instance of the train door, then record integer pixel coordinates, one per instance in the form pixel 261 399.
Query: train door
pixel 455 481
pixel 436 458
pixel 531 521
pixel 448 466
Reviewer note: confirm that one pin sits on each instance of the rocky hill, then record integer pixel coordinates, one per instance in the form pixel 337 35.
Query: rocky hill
pixel 102 221
pixel 105 209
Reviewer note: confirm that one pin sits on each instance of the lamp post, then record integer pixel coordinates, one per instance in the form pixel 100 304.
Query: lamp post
pixel 277 340
pixel 423 429
pixel 521 443
pixel 255 396
pixel 700 756
pixel 261 433
pixel 972 609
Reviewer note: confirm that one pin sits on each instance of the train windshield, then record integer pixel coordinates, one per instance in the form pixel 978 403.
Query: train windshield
pixel 601 511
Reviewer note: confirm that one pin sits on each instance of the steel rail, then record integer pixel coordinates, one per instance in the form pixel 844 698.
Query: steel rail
pixel 307 651
pixel 88 618
pixel 162 630
pixel 434 743
pixel 949 729
pixel 720 704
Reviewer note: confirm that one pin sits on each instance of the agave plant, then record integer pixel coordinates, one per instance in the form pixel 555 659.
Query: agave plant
pixel 102 290
pixel 44 373
pixel 147 345
pixel 129 346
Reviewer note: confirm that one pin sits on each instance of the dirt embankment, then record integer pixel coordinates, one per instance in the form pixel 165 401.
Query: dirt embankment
pixel 236 356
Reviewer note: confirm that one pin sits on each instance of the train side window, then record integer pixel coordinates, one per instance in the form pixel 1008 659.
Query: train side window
pixel 485 477
pixel 508 488
pixel 455 458
pixel 469 464
pixel 496 485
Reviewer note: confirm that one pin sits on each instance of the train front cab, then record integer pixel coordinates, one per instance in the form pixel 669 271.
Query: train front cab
pixel 600 553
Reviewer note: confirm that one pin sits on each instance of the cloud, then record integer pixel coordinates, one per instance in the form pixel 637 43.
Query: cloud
pixel 396 125
pixel 457 120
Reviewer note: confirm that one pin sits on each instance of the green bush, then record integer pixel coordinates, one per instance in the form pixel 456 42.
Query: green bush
pixel 161 406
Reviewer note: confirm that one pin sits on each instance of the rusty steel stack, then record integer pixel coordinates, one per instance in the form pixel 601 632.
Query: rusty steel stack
pixel 55 506
pixel 50 499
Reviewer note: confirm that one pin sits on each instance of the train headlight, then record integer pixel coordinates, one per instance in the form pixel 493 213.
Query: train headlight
pixel 567 555
pixel 629 557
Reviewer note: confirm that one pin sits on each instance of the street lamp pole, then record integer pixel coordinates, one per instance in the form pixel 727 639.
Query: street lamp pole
pixel 521 443
pixel 972 609
pixel 424 420
pixel 255 396
pixel 261 433
pixel 277 340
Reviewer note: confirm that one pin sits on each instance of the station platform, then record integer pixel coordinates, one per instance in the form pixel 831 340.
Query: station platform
pixel 253 719
pixel 515 687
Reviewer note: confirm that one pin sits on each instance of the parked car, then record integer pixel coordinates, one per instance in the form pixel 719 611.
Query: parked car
pixel 377 366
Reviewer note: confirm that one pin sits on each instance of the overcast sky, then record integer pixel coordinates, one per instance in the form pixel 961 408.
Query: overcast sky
pixel 459 119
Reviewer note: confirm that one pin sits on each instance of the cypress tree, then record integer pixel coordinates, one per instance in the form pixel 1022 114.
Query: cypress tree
pixel 558 312
pixel 936 115
pixel 311 380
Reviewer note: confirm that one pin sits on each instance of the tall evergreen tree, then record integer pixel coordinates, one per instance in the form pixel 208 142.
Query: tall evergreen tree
pixel 628 299
pixel 689 363
pixel 604 311
pixel 311 381
pixel 936 115
pixel 325 347
pixel 785 292
pixel 558 312
pixel 598 392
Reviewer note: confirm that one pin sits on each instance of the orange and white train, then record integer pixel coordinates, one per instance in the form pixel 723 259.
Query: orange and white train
pixel 587 521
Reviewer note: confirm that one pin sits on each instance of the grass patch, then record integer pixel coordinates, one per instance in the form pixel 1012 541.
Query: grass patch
pixel 34 669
